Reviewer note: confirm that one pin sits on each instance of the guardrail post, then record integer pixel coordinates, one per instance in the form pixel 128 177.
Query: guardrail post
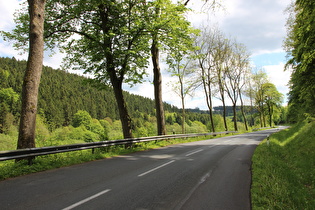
pixel 30 160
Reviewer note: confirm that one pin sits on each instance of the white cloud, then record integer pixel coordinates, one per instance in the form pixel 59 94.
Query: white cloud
pixel 7 9
pixel 260 25
pixel 53 60
pixel 279 78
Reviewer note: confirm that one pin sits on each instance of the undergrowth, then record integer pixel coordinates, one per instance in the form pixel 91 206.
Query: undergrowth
pixel 284 171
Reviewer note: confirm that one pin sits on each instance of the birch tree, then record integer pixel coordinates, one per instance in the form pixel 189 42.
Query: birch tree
pixel 181 67
pixel 237 62
pixel 206 64
pixel 222 65
pixel 242 66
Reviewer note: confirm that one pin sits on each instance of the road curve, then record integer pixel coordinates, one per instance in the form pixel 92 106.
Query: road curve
pixel 210 174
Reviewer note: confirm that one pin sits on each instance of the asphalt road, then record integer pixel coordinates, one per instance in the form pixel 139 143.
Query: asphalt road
pixel 210 174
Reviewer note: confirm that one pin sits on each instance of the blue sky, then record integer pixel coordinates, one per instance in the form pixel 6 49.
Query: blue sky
pixel 269 59
pixel 259 24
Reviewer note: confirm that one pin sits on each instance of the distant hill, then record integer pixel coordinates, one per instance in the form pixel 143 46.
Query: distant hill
pixel 62 94
pixel 219 110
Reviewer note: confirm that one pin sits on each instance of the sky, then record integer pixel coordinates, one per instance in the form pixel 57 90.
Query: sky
pixel 258 24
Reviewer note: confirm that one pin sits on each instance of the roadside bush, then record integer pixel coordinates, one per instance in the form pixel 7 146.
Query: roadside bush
pixel 82 118
pixel 41 131
pixel 8 142
pixel 196 127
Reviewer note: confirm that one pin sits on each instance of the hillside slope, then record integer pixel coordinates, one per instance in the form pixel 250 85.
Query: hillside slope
pixel 62 94
pixel 284 170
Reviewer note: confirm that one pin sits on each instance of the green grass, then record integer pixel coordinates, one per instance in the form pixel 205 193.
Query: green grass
pixel 10 169
pixel 284 172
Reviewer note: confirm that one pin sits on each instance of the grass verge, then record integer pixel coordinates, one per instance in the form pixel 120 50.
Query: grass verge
pixel 284 171
pixel 9 169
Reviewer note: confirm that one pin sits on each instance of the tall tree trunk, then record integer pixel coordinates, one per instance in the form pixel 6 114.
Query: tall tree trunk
pixel 221 89
pixel 122 108
pixel 234 117
pixel 208 100
pixel 182 96
pixel 270 114
pixel 224 111
pixel 157 81
pixel 183 116
pixel 32 76
pixel 252 121
pixel 264 117
pixel 243 111
pixel 261 115
pixel 209 103
pixel 118 92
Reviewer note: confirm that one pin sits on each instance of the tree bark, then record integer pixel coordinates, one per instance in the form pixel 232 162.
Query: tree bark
pixel 211 112
pixel 270 110
pixel 260 107
pixel 234 117
pixel 122 108
pixel 209 101
pixel 157 81
pixel 118 92
pixel 264 118
pixel 221 88
pixel 183 117
pixel 224 111
pixel 32 75
pixel 243 111
pixel 252 120
pixel 183 105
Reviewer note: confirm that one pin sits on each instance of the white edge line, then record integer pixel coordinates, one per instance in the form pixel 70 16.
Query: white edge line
pixel 86 200
pixel 165 164
pixel 194 152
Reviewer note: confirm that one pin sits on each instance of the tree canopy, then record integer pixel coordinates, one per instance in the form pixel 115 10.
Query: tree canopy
pixel 300 45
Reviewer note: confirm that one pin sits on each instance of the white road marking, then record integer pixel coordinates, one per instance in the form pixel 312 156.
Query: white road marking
pixel 204 178
pixel 194 152
pixel 156 168
pixel 86 200
pixel 201 181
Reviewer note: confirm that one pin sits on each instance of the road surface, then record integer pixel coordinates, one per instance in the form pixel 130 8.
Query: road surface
pixel 210 174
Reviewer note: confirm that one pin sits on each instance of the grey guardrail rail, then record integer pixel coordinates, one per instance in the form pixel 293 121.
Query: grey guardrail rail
pixel 33 152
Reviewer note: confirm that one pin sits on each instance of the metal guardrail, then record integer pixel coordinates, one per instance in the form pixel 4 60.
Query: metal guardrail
pixel 33 152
